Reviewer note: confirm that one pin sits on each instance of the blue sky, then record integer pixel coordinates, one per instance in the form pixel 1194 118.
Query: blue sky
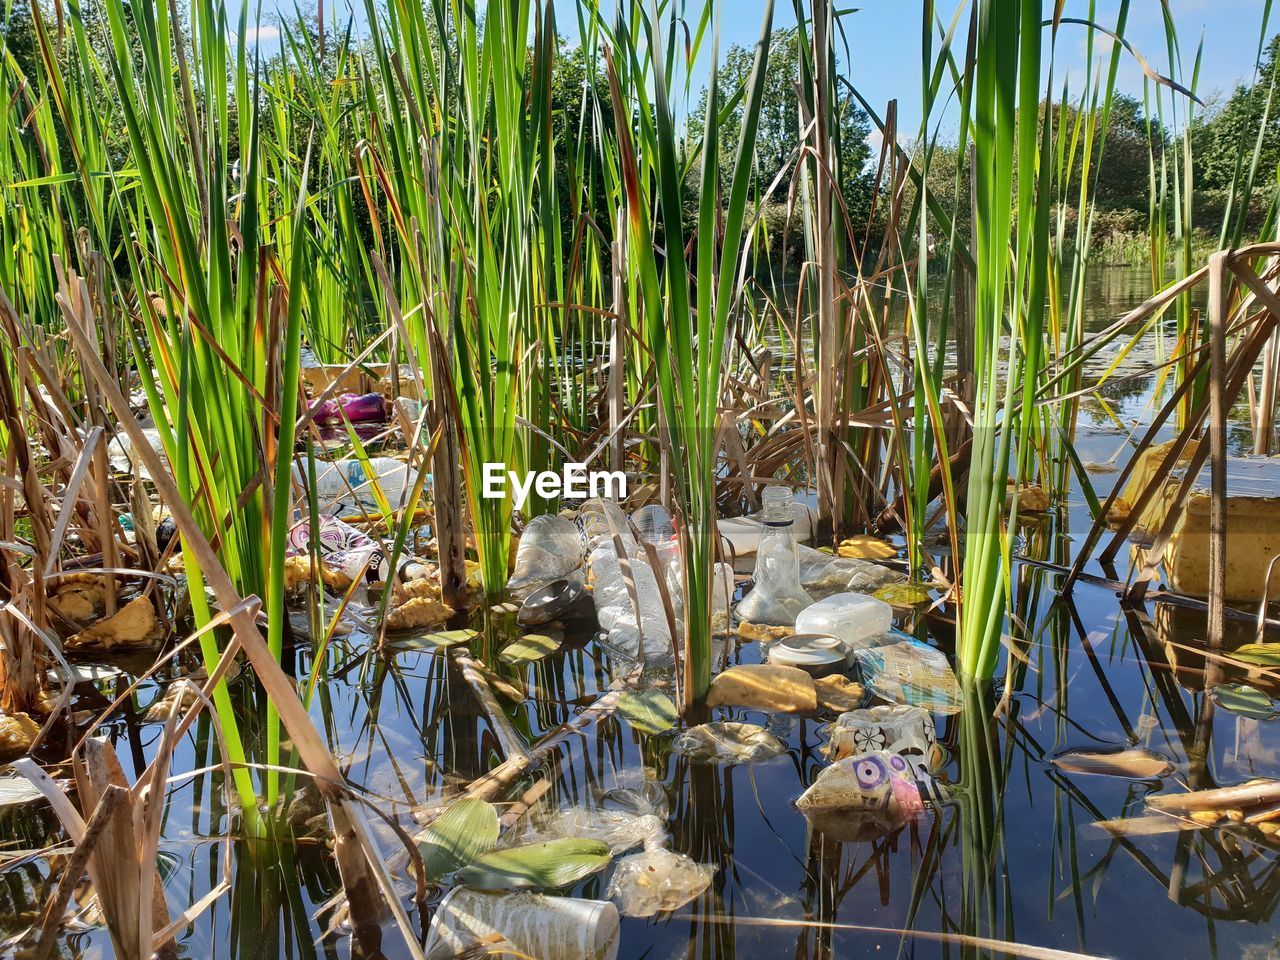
pixel 883 38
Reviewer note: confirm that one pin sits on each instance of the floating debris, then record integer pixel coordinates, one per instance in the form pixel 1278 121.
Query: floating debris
pixel 863 795
pixel 896 728
pixel 773 689
pixel 838 693
pixel 649 711
pixel 909 594
pixel 464 832
pixel 863 546
pixel 857 619
pixel 550 928
pixel 17 733
pixel 763 632
pixel 548 865
pixel 419 612
pixel 728 742
pixel 566 600
pixel 620 830
pixel 531 647
pixel 657 881
pixel 133 625
pixel 911 672
pixel 1131 764
pixel 1245 701
pixel 550 549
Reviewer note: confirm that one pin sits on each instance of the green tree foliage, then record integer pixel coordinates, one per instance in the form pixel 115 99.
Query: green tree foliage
pixel 780 126
pixel 1220 136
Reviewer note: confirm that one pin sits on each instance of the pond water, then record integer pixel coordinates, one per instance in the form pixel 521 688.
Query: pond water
pixel 1014 854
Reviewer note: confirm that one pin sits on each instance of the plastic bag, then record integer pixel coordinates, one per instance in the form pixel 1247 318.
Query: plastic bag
pixel 657 881
pixel 911 672
pixel 549 928
pixel 728 742
pixel 620 829
pixel 822 574
pixel 550 549
pixel 863 795
pixel 896 728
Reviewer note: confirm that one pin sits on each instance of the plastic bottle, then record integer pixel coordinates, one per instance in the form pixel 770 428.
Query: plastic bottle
pixel 345 483
pixel 777 597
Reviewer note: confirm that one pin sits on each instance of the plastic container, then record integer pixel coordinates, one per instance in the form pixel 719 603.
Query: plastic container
pixel 857 620
pixel 744 533
pixel 777 597
pixel 815 653
pixel 565 600
pixel 356 407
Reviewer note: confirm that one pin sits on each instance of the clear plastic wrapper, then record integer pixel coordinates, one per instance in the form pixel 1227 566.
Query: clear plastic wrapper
pixel 728 742
pixel 911 672
pixel 620 829
pixel 657 881
pixel 822 575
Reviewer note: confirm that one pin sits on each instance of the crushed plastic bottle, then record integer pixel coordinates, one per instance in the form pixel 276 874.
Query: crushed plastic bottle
pixel 777 597
pixel 352 552
pixel 550 549
pixel 344 483
pixel 638 629
pixel 656 881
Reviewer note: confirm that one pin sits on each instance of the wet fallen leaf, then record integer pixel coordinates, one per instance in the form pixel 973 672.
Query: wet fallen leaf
pixel 531 647
pixel 904 594
pixel 448 638
pixel 467 830
pixel 16 791
pixel 649 711
pixel 1260 654
pixel 544 866
pixel 1245 701
pixel 1131 764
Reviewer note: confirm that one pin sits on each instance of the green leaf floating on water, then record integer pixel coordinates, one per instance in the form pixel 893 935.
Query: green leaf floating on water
pixel 650 711
pixel 468 829
pixel 542 866
pixel 1262 654
pixel 439 639
pixel 530 647
pixel 904 594
pixel 1245 701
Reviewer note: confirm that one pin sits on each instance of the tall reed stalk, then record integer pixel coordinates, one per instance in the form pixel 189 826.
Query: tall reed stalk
pixel 685 312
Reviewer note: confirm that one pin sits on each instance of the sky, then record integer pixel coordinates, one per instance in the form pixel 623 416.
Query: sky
pixel 883 42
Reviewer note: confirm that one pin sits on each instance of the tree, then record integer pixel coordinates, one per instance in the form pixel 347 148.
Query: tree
pixel 1229 133
pixel 779 125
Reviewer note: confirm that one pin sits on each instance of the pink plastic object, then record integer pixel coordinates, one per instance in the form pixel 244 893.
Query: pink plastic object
pixel 359 408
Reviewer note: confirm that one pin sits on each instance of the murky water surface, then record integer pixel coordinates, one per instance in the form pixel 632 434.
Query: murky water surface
pixel 1015 854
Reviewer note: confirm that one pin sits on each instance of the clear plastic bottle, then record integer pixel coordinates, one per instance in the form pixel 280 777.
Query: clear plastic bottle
pixel 777 597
